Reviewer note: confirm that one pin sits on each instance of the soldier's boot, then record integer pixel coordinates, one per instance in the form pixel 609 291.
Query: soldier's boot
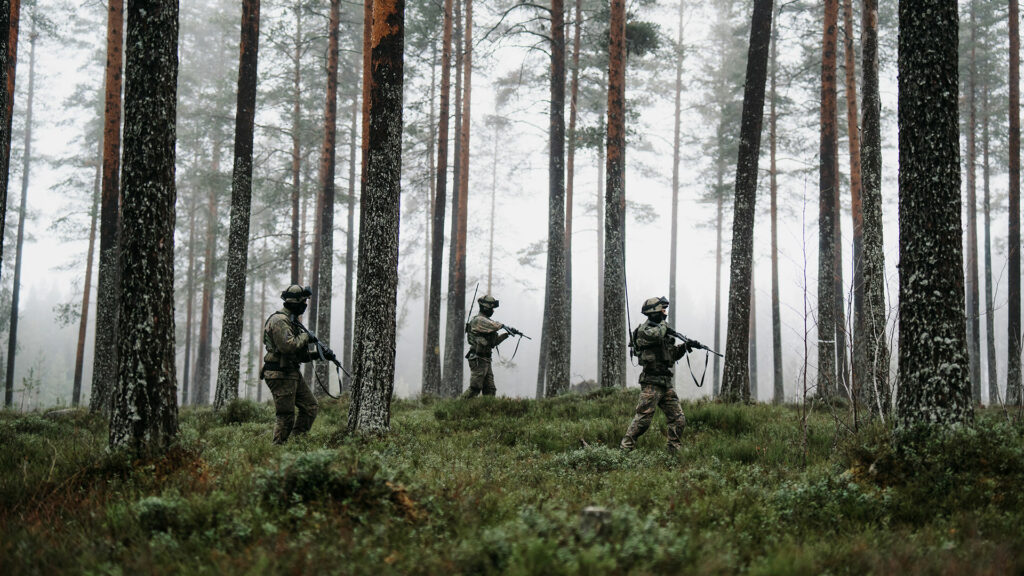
pixel 470 393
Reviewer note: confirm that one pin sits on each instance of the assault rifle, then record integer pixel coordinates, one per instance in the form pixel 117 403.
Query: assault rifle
pixel 324 353
pixel 515 332
pixel 692 343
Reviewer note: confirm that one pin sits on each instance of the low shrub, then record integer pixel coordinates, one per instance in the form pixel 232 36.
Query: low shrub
pixel 240 411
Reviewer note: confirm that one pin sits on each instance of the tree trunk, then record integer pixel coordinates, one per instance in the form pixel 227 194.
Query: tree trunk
pixel 778 389
pixel 570 174
pixel 971 263
pixel 557 351
pixel 350 235
pixel 875 390
pixel 144 418
pixel 613 358
pixel 190 291
pixel 296 258
pixel 432 358
pixel 990 328
pixel 1013 344
pixel 599 201
pixel 736 382
pixel 83 321
pixel 828 185
pixel 860 369
pixel 374 370
pixel 201 378
pixel 719 224
pixel 263 316
pixel 323 284
pixel 104 364
pixel 934 379
pixel 26 164
pixel 9 12
pixel 254 323
pixel 451 384
pixel 428 199
pixel 676 147
pixel 241 205
pixel 494 194
pixel 753 341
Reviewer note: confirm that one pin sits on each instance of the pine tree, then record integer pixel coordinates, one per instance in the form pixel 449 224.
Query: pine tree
pixel 828 193
pixel 374 368
pixel 144 416
pixel 934 378
pixel 736 381
pixel 241 204
pixel 7 10
pixel 104 365
pixel 1013 345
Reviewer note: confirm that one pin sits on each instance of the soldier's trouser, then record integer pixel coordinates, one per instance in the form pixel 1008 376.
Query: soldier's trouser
pixel 481 378
pixel 290 392
pixel 651 396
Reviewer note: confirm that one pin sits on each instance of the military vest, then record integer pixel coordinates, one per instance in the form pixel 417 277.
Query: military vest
pixel 655 349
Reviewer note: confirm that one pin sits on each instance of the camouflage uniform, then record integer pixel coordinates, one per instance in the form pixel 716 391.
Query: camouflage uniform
pixel 658 353
pixel 482 336
pixel 287 347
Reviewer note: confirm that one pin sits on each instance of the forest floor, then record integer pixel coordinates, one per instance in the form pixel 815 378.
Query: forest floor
pixel 498 486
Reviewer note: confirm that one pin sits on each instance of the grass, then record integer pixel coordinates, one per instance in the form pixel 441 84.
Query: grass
pixel 497 486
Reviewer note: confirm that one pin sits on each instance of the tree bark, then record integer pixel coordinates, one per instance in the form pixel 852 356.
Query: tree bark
pixel 190 292
pixel 323 283
pixel 860 369
pixel 676 148
pixel 971 262
pixel 204 354
pixel 104 365
pixel 350 235
pixel 736 382
pixel 934 379
pixel 557 378
pixel 570 173
pixel 451 381
pixel 432 358
pixel 241 205
pixel 83 321
pixel 296 255
pixel 428 199
pixel 875 388
pixel 263 316
pixel 9 12
pixel 1013 345
pixel 26 164
pixel 990 328
pixel 599 201
pixel 613 358
pixel 778 389
pixel 374 369
pixel 828 190
pixel 716 370
pixel 144 419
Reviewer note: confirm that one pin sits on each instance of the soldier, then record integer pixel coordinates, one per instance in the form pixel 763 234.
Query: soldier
pixel 658 352
pixel 288 345
pixel 482 335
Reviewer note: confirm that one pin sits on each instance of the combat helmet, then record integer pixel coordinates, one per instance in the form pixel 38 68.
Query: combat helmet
pixel 487 301
pixel 296 294
pixel 655 305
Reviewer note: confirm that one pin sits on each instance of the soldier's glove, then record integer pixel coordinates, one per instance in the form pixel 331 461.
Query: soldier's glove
pixel 694 345
pixel 329 355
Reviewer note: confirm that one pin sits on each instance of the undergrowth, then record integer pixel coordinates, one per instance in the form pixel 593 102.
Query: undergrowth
pixel 499 486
